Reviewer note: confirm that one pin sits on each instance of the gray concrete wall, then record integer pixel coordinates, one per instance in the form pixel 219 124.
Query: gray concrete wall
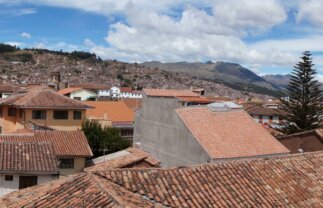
pixel 163 134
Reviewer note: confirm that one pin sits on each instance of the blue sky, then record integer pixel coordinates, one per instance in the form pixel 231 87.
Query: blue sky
pixel 267 36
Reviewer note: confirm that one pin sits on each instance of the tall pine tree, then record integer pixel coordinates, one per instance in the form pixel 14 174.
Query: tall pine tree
pixel 303 109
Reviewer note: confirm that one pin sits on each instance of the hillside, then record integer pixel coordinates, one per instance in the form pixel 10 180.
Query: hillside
pixel 229 74
pixel 278 80
pixel 25 66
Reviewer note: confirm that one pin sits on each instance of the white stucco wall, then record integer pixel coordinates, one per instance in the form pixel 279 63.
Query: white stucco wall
pixel 10 186
pixel 83 94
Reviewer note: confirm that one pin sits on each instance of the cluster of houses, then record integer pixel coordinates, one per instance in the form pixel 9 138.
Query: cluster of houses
pixel 188 150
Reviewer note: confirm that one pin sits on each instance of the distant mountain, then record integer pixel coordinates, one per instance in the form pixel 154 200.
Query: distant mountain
pixel 278 80
pixel 230 74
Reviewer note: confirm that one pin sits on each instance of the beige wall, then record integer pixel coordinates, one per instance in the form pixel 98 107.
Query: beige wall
pixel 79 164
pixel 10 124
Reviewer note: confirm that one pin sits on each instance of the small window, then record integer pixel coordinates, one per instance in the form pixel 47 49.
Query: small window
pixel 60 115
pixel 66 163
pixel 8 177
pixel 77 115
pixel 12 111
pixel 39 114
pixel 77 98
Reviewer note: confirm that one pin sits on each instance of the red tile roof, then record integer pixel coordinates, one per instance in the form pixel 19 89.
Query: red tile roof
pixel 126 89
pixel 114 111
pixel 132 103
pixel 170 93
pixel 231 134
pixel 260 110
pixel 43 99
pixel 65 143
pixel 10 88
pixel 27 157
pixel 291 181
pixel 68 90
pixel 130 157
pixel 200 100
pixel 81 190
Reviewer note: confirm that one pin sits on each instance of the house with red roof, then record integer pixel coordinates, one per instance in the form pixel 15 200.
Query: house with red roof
pixel 45 108
pixel 196 134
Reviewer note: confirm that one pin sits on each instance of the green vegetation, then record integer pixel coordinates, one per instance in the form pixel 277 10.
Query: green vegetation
pixel 303 108
pixel 5 48
pixel 103 140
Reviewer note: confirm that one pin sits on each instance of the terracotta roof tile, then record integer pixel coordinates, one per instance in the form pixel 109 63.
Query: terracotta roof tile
pixel 260 110
pixel 114 111
pixel 68 90
pixel 65 143
pixel 201 100
pixel 27 157
pixel 130 157
pixel 291 181
pixel 133 104
pixel 43 99
pixel 126 89
pixel 214 131
pixel 82 190
pixel 10 88
pixel 170 93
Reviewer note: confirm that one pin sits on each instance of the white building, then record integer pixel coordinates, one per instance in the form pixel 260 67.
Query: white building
pixel 78 93
pixel 123 92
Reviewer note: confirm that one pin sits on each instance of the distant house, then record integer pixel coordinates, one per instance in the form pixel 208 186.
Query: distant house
pixel 265 115
pixel 70 148
pixel 25 164
pixel 112 113
pixel 308 141
pixel 78 93
pixel 45 108
pixel 8 89
pixel 128 158
pixel 199 134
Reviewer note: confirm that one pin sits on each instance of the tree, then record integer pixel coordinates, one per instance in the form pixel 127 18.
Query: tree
pixel 303 106
pixel 103 140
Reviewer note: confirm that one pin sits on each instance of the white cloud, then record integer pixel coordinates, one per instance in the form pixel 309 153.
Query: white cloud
pixel 25 35
pixel 311 10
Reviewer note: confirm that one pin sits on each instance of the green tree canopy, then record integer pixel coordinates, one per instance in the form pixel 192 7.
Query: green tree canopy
pixel 303 106
pixel 103 139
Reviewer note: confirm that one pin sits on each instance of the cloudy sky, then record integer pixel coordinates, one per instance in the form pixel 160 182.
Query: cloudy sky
pixel 267 36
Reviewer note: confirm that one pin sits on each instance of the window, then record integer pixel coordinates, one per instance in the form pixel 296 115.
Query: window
pixel 77 115
pixel 66 163
pixel 60 115
pixel 8 177
pixel 39 114
pixel 77 98
pixel 27 181
pixel 11 111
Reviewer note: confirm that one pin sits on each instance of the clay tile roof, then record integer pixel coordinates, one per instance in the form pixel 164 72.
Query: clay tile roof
pixel 126 89
pixel 81 190
pixel 130 157
pixel 133 104
pixel 291 181
pixel 9 88
pixel 43 99
pixel 169 93
pixel 91 86
pixel 260 110
pixel 115 111
pixel 230 134
pixel 68 90
pixel 27 157
pixel 201 100
pixel 65 143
